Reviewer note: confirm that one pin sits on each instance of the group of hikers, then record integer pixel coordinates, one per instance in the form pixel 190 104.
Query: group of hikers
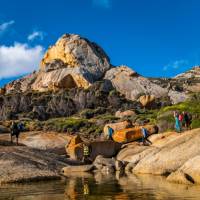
pixel 183 119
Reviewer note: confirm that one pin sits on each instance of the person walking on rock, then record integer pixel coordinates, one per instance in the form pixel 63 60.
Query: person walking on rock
pixel 187 120
pixel 110 133
pixel 145 135
pixel 177 122
pixel 14 131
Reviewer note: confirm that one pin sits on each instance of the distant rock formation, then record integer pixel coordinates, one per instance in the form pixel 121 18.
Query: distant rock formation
pixel 193 73
pixel 75 62
pixel 132 85
pixel 72 62
pixel 190 79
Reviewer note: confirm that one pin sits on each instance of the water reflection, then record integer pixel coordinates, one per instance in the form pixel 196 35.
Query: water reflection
pixel 101 186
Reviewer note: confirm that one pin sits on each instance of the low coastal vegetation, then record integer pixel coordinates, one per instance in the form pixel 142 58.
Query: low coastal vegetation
pixel 192 106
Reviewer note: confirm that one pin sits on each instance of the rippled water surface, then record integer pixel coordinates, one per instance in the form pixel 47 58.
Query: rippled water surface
pixel 100 187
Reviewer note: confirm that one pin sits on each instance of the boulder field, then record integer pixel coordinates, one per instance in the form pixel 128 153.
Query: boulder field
pixel 172 155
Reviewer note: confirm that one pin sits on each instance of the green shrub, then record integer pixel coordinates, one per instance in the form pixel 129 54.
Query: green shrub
pixel 89 113
pixel 107 117
pixel 64 124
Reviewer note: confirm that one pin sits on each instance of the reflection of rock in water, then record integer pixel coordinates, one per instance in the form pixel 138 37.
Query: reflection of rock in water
pixel 101 178
pixel 71 190
pixel 158 187
pixel 96 187
pixel 102 187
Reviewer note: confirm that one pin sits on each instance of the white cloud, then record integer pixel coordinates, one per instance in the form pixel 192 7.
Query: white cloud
pixel 102 3
pixel 176 64
pixel 6 25
pixel 36 34
pixel 19 59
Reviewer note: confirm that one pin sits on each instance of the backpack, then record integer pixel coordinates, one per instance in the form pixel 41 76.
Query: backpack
pixel 20 127
pixel 180 117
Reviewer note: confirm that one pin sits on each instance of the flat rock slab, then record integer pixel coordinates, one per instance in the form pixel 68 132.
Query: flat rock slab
pixel 51 141
pixel 173 154
pixel 24 164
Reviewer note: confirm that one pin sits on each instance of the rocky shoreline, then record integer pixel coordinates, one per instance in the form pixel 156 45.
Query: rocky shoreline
pixel 172 155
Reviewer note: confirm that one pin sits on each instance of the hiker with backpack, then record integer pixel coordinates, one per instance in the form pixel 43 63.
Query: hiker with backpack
pixel 15 130
pixel 177 122
pixel 187 120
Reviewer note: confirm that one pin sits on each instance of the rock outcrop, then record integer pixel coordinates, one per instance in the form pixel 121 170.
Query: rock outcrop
pixel 131 84
pixel 107 149
pixel 190 79
pixel 76 62
pixel 62 103
pixel 146 100
pixel 193 73
pixel 23 164
pixel 116 127
pixel 72 62
pixel 189 173
pixel 21 85
pixel 133 134
pixel 127 113
pixel 173 155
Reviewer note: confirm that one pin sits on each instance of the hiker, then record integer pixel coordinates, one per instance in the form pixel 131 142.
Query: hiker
pixel 177 122
pixel 145 139
pixel 15 131
pixel 110 133
pixel 180 118
pixel 86 153
pixel 187 120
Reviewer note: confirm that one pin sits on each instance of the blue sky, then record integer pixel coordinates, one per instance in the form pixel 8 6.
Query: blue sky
pixel 154 37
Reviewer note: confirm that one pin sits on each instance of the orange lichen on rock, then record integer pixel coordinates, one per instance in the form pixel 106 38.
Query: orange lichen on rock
pixel 132 134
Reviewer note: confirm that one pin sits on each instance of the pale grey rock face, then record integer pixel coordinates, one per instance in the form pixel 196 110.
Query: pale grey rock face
pixel 193 73
pixel 129 83
pixel 21 85
pixel 177 97
pixel 54 65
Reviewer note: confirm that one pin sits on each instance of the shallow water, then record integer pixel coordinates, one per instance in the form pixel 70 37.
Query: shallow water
pixel 100 187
